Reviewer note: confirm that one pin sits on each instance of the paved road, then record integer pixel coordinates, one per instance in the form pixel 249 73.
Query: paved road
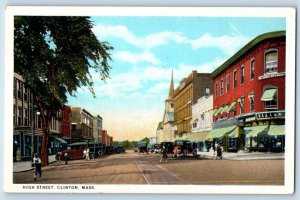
pixel 153 173
pixel 131 168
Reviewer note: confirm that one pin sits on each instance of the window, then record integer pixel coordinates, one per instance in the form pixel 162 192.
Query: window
pixel 251 103
pixel 270 98
pixel 222 87
pixel 227 83
pixel 20 115
pixel 271 61
pixel 19 89
pixel 242 105
pixel 207 91
pixel 172 105
pixel 234 79
pixel 25 93
pixel 242 74
pixel 25 117
pixel 252 69
pixel 195 125
pixel 216 89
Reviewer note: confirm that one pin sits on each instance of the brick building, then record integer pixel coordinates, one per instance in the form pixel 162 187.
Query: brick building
pixel 249 95
pixel 186 94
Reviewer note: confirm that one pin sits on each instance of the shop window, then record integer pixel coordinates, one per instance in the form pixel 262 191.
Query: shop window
pixel 252 69
pixel 234 79
pixel 242 74
pixel 271 61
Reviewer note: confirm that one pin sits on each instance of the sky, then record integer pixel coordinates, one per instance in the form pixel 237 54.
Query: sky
pixel 146 50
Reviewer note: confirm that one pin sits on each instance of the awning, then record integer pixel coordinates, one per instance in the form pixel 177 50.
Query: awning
pixel 220 132
pixel 276 130
pixel 61 140
pixel 198 136
pixel 218 111
pixel 253 131
pixel 215 110
pixel 234 133
pixel 225 109
pixel 269 95
pixel 232 106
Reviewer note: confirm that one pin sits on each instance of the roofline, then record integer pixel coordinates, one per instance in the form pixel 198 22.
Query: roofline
pixel 245 49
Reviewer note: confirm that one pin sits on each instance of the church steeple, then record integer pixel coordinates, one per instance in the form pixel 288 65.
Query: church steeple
pixel 171 91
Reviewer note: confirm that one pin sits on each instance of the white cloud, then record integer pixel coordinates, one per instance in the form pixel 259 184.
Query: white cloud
pixel 137 58
pixel 147 42
pixel 158 88
pixel 229 44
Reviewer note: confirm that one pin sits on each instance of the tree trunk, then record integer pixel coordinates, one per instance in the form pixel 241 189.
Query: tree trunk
pixel 45 118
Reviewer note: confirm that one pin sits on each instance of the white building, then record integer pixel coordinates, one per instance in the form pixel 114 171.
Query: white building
pixel 202 114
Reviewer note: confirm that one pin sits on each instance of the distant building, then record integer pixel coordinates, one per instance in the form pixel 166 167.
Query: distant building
pixel 159 132
pixel 202 114
pixel 66 123
pixel 97 128
pixel 190 89
pixel 82 124
pixel 168 117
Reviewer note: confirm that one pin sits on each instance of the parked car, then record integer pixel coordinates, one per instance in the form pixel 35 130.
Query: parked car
pixel 182 148
pixel 143 147
pixel 169 146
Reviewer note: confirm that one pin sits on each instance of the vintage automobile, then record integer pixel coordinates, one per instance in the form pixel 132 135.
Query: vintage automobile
pixel 75 150
pixel 182 148
pixel 143 147
pixel 168 145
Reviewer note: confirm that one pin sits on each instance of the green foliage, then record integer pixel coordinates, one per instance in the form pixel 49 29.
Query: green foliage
pixel 54 55
pixel 145 140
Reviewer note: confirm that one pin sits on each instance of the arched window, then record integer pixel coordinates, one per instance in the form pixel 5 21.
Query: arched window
pixel 271 61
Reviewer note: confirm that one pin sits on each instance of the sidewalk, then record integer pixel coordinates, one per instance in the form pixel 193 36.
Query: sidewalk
pixel 26 165
pixel 245 155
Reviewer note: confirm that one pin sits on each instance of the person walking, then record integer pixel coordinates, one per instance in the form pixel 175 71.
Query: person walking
pixel 18 155
pixel 87 156
pixel 164 154
pixel 66 158
pixel 219 152
pixel 36 162
pixel 84 154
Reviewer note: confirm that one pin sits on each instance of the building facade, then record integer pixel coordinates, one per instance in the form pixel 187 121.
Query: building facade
pixel 159 132
pixel 66 123
pixel 186 94
pixel 168 130
pixel 249 95
pixel 82 124
pixel 97 128
pixel 202 114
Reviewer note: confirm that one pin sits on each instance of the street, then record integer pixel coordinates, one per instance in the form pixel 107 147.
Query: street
pixel 134 168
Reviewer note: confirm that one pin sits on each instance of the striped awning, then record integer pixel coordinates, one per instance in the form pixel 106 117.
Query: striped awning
pixel 198 136
pixel 269 94
pixel 232 106
pixel 253 131
pixel 220 132
pixel 276 130
pixel 225 109
pixel 234 133
pixel 218 111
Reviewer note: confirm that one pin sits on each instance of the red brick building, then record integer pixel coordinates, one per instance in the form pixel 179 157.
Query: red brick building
pixel 249 91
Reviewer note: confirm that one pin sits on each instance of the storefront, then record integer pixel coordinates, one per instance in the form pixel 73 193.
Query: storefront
pixel 265 131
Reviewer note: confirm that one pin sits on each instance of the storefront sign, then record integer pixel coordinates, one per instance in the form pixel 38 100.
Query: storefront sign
pixel 269 115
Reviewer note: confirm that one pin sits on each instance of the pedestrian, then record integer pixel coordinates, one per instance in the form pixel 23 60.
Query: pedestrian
pixel 66 158
pixel 36 162
pixel 58 157
pixel 164 154
pixel 87 156
pixel 219 152
pixel 84 154
pixel 18 156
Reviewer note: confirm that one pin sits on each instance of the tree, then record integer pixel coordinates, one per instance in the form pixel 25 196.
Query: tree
pixel 145 140
pixel 55 55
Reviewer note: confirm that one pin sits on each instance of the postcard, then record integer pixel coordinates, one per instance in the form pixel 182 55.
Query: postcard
pixel 189 100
